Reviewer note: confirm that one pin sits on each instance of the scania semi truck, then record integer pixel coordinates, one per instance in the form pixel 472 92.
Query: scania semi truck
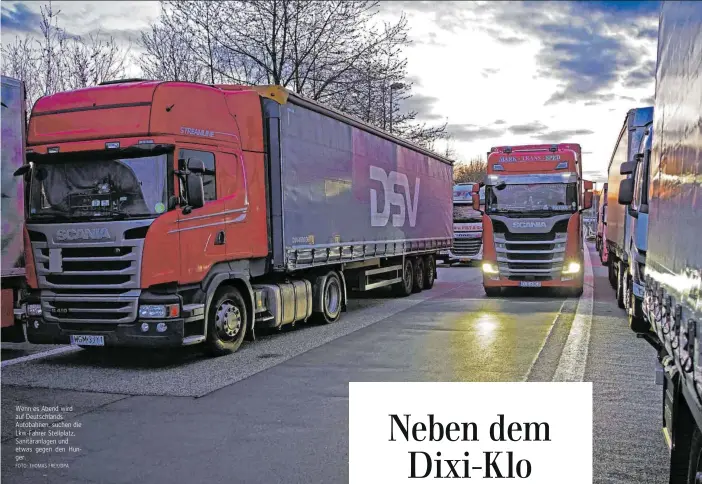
pixel 174 213
pixel 618 219
pixel 673 277
pixel 467 226
pixel 14 122
pixel 532 225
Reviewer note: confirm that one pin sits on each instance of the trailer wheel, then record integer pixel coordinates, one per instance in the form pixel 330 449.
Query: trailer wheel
pixel 429 272
pixel 331 299
pixel 419 274
pixel 226 322
pixel 694 471
pixel 404 288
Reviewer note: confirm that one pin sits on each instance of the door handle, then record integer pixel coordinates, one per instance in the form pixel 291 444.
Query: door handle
pixel 219 240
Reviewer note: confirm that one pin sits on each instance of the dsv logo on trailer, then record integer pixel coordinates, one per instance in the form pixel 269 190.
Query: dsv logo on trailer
pixel 405 202
pixel 83 234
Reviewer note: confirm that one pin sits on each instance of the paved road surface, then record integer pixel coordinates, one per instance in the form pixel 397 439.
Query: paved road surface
pixel 277 410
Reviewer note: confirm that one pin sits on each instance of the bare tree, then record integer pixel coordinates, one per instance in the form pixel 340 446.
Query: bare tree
pixel 334 51
pixel 473 171
pixel 21 61
pixel 58 61
pixel 170 53
pixel 90 61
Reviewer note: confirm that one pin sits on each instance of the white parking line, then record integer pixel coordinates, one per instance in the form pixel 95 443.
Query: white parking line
pixel 543 345
pixel 41 354
pixel 571 366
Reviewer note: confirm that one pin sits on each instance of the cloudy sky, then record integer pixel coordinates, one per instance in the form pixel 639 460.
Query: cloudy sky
pixel 500 73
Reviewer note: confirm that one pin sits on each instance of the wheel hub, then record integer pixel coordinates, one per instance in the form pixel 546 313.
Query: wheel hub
pixel 228 320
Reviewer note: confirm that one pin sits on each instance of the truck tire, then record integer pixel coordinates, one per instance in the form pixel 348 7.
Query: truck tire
pixel 429 272
pixel 492 291
pixel 331 299
pixel 611 275
pixel 694 471
pixel 226 322
pixel 634 311
pixel 419 269
pixel 620 285
pixel 404 288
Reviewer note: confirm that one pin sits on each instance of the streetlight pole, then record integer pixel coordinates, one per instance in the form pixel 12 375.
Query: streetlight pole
pixel 393 86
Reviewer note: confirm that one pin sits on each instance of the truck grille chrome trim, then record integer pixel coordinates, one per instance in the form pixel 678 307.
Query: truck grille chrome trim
pixel 531 255
pixel 89 282
pixel 466 247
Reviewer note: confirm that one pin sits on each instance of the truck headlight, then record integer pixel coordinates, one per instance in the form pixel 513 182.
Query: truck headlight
pixel 572 268
pixel 34 309
pixel 490 268
pixel 150 311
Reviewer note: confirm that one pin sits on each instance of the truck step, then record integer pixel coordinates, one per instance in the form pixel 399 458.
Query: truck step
pixel 192 340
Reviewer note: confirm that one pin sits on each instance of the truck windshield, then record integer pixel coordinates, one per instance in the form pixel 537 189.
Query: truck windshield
pixel 560 197
pixel 103 188
pixel 464 213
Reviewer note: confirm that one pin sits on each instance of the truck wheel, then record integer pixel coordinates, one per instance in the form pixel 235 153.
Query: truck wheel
pixel 620 285
pixel 418 285
pixel 404 288
pixel 492 291
pixel 429 272
pixel 226 322
pixel 694 471
pixel 611 275
pixel 331 299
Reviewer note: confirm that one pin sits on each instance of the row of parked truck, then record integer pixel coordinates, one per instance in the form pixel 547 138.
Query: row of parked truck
pixel 650 227
pixel 147 213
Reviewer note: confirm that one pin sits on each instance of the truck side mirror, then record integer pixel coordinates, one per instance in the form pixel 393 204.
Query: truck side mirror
pixel 587 200
pixel 22 170
pixel 476 201
pixel 626 191
pixel 196 189
pixel 627 168
pixel 476 187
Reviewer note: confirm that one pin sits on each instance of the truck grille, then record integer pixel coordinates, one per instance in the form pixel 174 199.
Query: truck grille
pixel 533 256
pixel 466 247
pixel 87 282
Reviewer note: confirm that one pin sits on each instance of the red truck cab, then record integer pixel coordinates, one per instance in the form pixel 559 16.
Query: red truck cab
pixel 532 225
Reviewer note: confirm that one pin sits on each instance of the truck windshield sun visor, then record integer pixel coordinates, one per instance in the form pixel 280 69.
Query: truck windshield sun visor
pixel 116 184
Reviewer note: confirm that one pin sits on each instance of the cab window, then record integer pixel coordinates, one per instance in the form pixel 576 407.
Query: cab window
pixel 209 180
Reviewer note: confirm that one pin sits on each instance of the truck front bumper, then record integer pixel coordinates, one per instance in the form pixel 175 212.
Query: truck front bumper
pixel 43 332
pixel 142 332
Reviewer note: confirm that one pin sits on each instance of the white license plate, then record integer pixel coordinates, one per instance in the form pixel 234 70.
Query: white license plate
pixel 87 340
pixel 529 284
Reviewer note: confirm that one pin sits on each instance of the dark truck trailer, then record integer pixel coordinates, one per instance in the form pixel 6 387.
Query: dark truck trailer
pixel 302 204
pixel 673 276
